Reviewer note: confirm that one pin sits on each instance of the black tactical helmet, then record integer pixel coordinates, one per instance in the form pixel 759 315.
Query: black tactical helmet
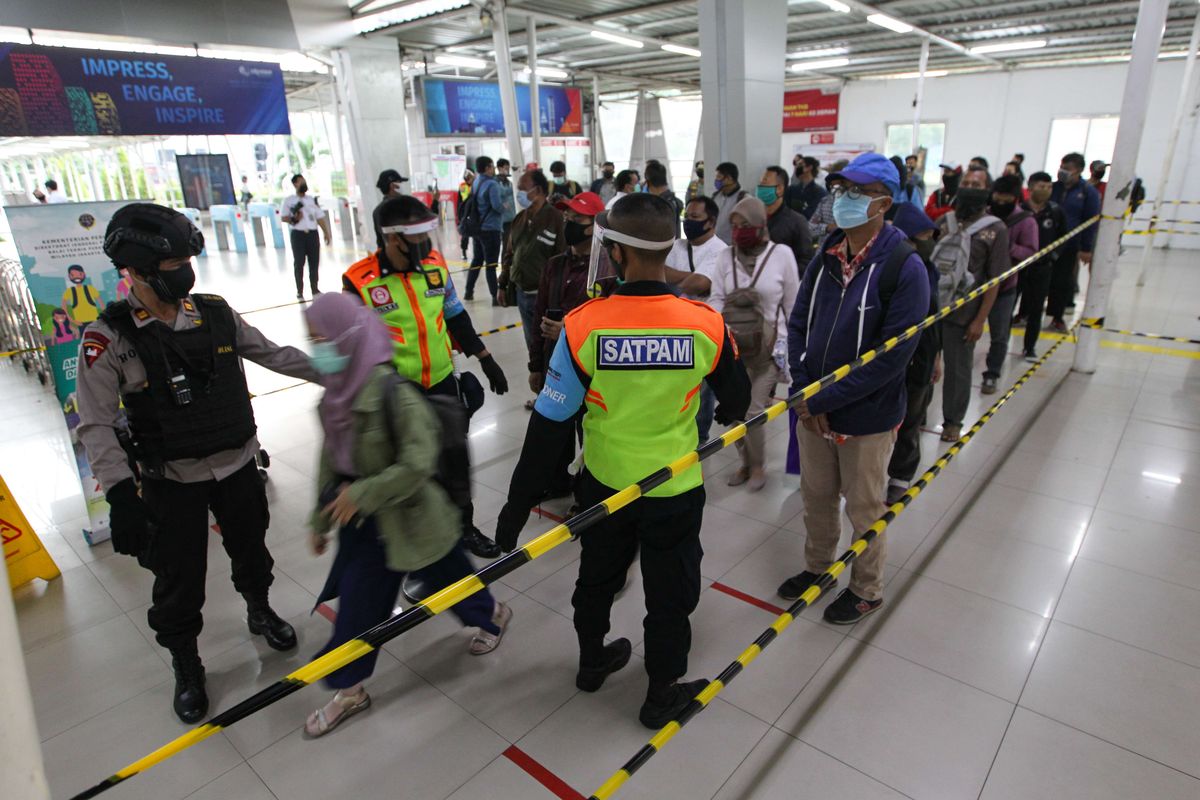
pixel 141 235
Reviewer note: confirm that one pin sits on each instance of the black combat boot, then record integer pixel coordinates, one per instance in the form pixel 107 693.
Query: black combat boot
pixel 261 619
pixel 191 701
pixel 598 660
pixel 479 544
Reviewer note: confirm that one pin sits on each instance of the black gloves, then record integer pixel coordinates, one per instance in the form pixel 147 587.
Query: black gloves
pixel 128 519
pixel 723 417
pixel 494 374
pixel 508 526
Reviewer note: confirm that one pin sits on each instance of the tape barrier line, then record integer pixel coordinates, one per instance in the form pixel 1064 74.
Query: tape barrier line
pixel 501 329
pixel 539 546
pixel 702 700
pixel 1098 325
pixel 288 304
pixel 12 353
pixel 1152 231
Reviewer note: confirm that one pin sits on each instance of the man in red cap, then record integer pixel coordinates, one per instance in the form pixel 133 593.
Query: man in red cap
pixel 563 287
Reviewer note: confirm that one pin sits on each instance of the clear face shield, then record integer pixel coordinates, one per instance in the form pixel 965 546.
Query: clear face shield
pixel 603 275
pixel 418 239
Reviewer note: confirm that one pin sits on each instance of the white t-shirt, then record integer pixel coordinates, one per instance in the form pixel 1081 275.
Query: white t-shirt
pixel 777 284
pixel 310 212
pixel 704 257
pixel 608 206
pixel 56 197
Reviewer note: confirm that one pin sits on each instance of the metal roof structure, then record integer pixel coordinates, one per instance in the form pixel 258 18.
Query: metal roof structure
pixel 827 39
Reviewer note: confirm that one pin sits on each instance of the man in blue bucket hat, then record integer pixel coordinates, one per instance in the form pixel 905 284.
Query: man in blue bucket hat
pixel 866 285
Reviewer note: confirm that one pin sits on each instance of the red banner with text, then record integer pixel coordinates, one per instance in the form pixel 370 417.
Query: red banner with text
pixel 806 110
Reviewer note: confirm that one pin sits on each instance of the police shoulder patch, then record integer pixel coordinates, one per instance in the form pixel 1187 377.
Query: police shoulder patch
pixel 645 351
pixel 141 314
pixel 94 345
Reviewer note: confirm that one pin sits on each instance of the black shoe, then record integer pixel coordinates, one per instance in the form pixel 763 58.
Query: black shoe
pixel 616 656
pixel 988 386
pixel 849 608
pixel 1031 355
pixel 262 620
pixel 556 492
pixel 299 295
pixel 191 701
pixel 793 587
pixel 469 296
pixel 480 545
pixel 658 711
pixel 414 588
pixel 894 492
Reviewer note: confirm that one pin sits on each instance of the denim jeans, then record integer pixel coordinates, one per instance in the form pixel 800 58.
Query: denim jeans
pixel 531 327
pixel 487 256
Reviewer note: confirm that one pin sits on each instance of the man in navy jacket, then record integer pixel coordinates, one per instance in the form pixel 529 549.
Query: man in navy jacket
pixel 854 296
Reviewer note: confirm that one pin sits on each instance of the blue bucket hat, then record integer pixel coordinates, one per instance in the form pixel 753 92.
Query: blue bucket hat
pixel 869 168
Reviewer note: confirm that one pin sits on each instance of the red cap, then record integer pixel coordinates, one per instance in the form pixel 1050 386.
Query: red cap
pixel 588 204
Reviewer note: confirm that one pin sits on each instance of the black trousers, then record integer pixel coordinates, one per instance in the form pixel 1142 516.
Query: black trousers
pixel 1062 284
pixel 460 461
pixel 486 256
pixel 306 245
pixel 179 553
pixel 667 530
pixel 906 455
pixel 1035 285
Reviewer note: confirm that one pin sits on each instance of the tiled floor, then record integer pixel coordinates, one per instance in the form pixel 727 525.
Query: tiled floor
pixel 1038 640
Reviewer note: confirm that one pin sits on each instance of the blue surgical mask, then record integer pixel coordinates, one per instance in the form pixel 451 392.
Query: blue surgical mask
pixel 719 184
pixel 523 198
pixel 327 360
pixel 850 212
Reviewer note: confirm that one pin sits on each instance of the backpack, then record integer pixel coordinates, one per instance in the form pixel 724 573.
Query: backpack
pixel 470 221
pixel 952 258
pixel 743 313
pixel 452 416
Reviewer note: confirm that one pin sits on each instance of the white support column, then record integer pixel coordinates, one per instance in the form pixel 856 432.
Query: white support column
pixel 599 156
pixel 741 81
pixel 1181 111
pixel 916 130
pixel 535 101
pixel 1147 38
pixel 21 772
pixel 508 89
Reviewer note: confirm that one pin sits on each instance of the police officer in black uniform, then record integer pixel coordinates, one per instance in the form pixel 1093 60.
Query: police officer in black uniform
pixel 187 434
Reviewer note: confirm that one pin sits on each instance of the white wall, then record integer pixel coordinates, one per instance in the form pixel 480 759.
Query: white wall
pixel 1000 113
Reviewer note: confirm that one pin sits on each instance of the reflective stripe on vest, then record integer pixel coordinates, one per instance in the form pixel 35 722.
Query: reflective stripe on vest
pixel 411 306
pixel 646 357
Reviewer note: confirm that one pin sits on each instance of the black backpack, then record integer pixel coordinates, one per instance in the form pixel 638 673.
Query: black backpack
pixel 470 221
pixel 451 413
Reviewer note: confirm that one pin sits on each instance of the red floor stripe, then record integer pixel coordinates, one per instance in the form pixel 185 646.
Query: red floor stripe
pixel 747 598
pixel 550 515
pixel 556 785
pixel 327 612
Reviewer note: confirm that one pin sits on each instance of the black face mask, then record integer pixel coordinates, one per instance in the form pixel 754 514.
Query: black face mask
pixel 969 202
pixel 575 232
pixel 608 173
pixel 950 182
pixel 924 247
pixel 1003 210
pixel 302 188
pixel 171 286
pixel 611 249
pixel 418 252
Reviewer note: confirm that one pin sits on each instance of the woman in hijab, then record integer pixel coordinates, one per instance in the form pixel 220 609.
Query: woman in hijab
pixel 754 287
pixel 377 484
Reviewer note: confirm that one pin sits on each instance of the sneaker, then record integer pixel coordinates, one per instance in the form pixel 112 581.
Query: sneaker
pixel 661 710
pixel 484 642
pixel 469 296
pixel 1057 326
pixel 300 295
pixel 849 608
pixel 989 385
pixel 895 491
pixel 616 656
pixel 1031 355
pixel 1018 321
pixel 793 587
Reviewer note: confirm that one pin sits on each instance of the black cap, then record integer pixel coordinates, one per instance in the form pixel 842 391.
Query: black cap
pixel 387 178
pixel 140 235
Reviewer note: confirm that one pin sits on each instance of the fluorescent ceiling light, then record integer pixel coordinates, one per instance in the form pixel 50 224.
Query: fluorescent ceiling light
pixel 681 50
pixel 547 72
pixel 884 21
pixel 14 35
pixel 834 5
pixel 823 52
pixel 1008 47
pixel 901 76
pixel 410 11
pixel 115 46
pixel 828 63
pixel 462 61
pixel 614 38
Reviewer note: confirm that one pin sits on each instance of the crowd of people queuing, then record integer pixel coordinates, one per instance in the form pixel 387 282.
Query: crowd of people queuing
pixel 646 318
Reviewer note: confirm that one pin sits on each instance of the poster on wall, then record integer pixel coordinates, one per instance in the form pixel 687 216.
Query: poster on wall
pixel 65 91
pixel 806 110
pixel 829 153
pixel 472 108
pixel 206 180
pixel 71 280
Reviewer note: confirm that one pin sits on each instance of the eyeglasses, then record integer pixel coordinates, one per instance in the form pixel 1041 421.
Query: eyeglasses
pixel 853 191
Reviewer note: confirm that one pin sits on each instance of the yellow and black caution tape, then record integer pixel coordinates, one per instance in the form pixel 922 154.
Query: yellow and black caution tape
pixel 11 353
pixel 1153 231
pixel 435 604
pixel 1172 202
pixel 824 582
pixel 1098 325
pixel 501 329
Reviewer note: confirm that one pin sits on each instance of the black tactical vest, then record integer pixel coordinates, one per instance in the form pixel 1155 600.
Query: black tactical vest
pixel 218 415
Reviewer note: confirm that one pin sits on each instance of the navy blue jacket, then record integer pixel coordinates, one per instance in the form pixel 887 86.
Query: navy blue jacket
pixel 1079 203
pixel 830 327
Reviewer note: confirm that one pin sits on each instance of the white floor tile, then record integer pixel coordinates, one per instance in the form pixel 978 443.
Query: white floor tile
pixel 1147 548
pixel 49 610
pixel 240 782
pixel 1153 497
pixel 502 778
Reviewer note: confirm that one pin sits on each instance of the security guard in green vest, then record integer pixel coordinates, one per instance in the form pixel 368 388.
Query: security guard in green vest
pixel 635 361
pixel 173 360
pixel 408 284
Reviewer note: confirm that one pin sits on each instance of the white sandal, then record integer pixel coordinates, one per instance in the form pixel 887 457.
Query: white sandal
pixel 483 642
pixel 318 724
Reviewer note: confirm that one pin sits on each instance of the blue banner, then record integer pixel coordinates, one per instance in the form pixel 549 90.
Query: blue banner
pixel 472 108
pixel 62 91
